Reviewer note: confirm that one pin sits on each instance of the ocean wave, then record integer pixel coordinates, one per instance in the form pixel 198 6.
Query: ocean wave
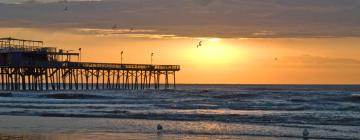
pixel 324 118
pixel 264 105
pixel 188 106
pixel 6 94
pixel 354 98
pixel 234 96
pixel 74 96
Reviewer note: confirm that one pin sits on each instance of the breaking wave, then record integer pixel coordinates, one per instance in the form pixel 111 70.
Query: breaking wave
pixel 265 104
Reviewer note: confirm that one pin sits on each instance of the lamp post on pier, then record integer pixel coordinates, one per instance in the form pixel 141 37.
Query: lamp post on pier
pixel 122 52
pixel 79 54
pixel 152 54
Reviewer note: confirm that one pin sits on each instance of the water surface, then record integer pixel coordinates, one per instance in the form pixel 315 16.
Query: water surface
pixel 190 111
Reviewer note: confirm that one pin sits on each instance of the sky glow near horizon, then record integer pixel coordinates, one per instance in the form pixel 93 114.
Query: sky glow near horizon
pixel 245 42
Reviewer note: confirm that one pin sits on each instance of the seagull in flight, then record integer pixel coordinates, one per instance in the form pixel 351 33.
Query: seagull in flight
pixel 199 45
pixel 114 27
pixel 66 7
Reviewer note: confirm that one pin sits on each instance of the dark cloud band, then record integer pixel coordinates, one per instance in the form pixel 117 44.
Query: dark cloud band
pixel 196 18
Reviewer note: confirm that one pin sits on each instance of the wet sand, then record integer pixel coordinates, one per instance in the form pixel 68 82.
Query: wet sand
pixel 123 136
pixel 61 128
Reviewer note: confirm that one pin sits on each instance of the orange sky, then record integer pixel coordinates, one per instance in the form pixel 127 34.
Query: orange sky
pixel 230 61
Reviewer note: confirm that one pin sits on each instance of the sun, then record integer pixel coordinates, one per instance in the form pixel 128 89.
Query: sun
pixel 213 51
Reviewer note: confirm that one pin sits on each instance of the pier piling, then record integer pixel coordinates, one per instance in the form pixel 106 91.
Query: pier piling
pixel 28 65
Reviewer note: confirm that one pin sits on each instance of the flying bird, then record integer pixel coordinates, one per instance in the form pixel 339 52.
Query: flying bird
pixel 199 45
pixel 66 7
pixel 115 27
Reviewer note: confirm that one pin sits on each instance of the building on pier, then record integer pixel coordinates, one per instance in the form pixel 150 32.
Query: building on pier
pixel 29 65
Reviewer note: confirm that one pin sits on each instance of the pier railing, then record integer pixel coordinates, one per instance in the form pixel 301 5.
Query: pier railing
pixel 84 76
pixel 91 65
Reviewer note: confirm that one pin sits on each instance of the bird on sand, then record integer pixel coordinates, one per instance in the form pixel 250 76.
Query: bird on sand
pixel 199 45
pixel 159 127
pixel 305 133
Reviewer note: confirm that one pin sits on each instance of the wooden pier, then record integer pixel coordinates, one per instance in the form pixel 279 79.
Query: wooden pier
pixel 24 68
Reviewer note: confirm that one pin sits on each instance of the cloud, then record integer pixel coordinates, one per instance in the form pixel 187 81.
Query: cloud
pixel 134 33
pixel 309 59
pixel 193 18
pixel 39 1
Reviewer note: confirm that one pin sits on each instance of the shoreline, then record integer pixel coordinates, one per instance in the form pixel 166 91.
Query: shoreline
pixel 100 128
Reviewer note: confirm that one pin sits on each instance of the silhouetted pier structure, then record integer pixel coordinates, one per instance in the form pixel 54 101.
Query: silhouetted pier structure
pixel 28 65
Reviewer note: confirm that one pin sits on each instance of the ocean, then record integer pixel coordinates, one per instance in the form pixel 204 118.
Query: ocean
pixel 189 112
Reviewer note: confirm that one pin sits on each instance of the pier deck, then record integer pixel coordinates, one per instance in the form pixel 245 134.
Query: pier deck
pixel 85 76
pixel 28 65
